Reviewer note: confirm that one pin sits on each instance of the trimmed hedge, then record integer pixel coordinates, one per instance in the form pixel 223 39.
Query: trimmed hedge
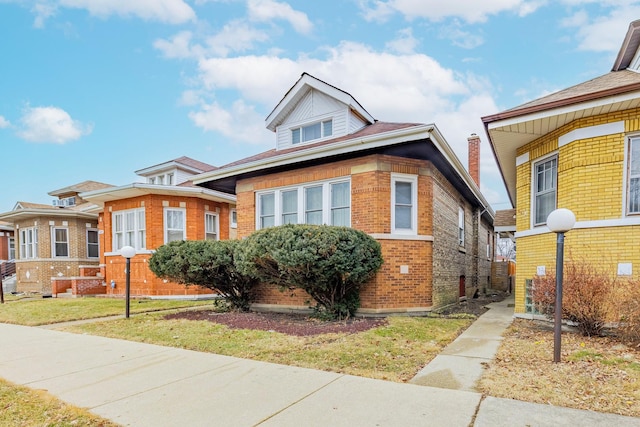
pixel 330 263
pixel 208 264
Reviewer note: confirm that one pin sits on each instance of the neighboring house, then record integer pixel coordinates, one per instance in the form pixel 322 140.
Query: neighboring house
pixel 147 215
pixel 399 182
pixel 7 250
pixel 578 148
pixel 54 241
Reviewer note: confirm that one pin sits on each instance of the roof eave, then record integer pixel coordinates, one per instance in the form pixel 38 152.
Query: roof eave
pixel 137 189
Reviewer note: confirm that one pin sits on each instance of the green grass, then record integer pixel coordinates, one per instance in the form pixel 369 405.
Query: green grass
pixel 33 312
pixel 394 352
pixel 21 406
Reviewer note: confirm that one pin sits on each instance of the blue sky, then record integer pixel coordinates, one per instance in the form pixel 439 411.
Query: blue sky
pixel 96 89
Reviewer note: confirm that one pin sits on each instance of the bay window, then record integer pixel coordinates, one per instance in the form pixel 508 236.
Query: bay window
pixel 174 224
pixel 129 229
pixel 314 203
pixel 404 206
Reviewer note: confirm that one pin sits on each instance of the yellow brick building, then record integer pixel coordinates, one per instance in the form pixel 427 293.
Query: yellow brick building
pixel 579 149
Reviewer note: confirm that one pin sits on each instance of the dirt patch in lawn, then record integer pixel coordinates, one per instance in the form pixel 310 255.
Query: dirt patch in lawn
pixel 305 325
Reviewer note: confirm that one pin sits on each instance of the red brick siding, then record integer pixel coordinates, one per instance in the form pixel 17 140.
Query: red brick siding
pixel 143 281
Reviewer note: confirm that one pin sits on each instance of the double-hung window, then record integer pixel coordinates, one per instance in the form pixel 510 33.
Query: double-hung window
pixel 60 241
pixel 404 203
pixel 28 243
pixel 633 196
pixel 93 244
pixel 315 203
pixel 234 218
pixel 461 226
pixel 129 229
pixel 545 186
pixel 174 224
pixel 313 131
pixel 211 226
pixel 12 248
pixel 290 206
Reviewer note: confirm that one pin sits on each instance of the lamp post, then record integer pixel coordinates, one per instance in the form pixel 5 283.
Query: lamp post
pixel 127 252
pixel 559 221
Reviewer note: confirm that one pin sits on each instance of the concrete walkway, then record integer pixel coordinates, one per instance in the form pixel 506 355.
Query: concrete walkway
pixel 460 364
pixel 140 384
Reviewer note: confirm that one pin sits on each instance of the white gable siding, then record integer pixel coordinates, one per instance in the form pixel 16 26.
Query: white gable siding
pixel 182 176
pixel 355 123
pixel 315 106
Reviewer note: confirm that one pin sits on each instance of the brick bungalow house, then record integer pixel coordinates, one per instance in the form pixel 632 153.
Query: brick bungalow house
pixel 54 241
pixel 7 250
pixel 578 148
pixel 399 182
pixel 164 208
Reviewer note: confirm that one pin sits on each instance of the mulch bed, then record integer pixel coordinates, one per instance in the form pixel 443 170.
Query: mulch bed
pixel 286 323
pixel 305 325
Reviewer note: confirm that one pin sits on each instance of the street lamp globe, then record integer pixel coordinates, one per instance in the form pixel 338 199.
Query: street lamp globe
pixel 561 220
pixel 128 252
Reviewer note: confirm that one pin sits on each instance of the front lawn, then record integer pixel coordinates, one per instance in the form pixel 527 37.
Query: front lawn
pixel 395 351
pixel 43 311
pixel 22 406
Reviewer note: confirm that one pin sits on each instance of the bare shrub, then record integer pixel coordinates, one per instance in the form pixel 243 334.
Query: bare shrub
pixel 626 309
pixel 586 296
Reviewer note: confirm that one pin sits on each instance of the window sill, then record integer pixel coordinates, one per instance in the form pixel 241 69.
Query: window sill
pixel 384 236
pixel 462 249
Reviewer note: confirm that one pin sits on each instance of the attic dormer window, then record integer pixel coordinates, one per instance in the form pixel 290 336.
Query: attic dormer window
pixel 313 131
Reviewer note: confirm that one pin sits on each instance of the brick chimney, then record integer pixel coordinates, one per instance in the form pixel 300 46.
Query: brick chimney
pixel 474 158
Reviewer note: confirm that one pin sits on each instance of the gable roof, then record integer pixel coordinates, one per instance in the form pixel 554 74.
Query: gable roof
pixel 184 162
pixel 79 188
pixel 615 91
pixel 305 83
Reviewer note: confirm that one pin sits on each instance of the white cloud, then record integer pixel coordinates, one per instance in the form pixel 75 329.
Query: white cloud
pixel 178 46
pixel 459 37
pixel 404 43
pixel 4 123
pixel 50 124
pixel 42 11
pixel 267 10
pixel 406 88
pixel 240 122
pixel 436 10
pixel 605 33
pixel 235 36
pixel 169 11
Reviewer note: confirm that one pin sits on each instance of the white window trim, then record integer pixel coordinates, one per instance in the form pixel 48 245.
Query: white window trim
pixel 217 225
pixel 33 244
pixel 326 200
pixel 97 244
pixel 9 241
pixel 532 184
pixel 139 245
pixel 413 180
pixel 184 224
pixel 626 179
pixel 233 222
pixel 461 225
pixel 53 242
pixel 319 119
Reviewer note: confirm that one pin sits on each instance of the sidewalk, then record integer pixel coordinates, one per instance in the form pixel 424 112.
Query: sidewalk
pixel 460 364
pixel 140 384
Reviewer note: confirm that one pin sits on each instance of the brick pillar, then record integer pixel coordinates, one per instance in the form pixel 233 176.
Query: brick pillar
pixel 474 158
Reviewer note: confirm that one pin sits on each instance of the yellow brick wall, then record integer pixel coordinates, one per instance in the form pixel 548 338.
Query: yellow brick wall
pixel 590 183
